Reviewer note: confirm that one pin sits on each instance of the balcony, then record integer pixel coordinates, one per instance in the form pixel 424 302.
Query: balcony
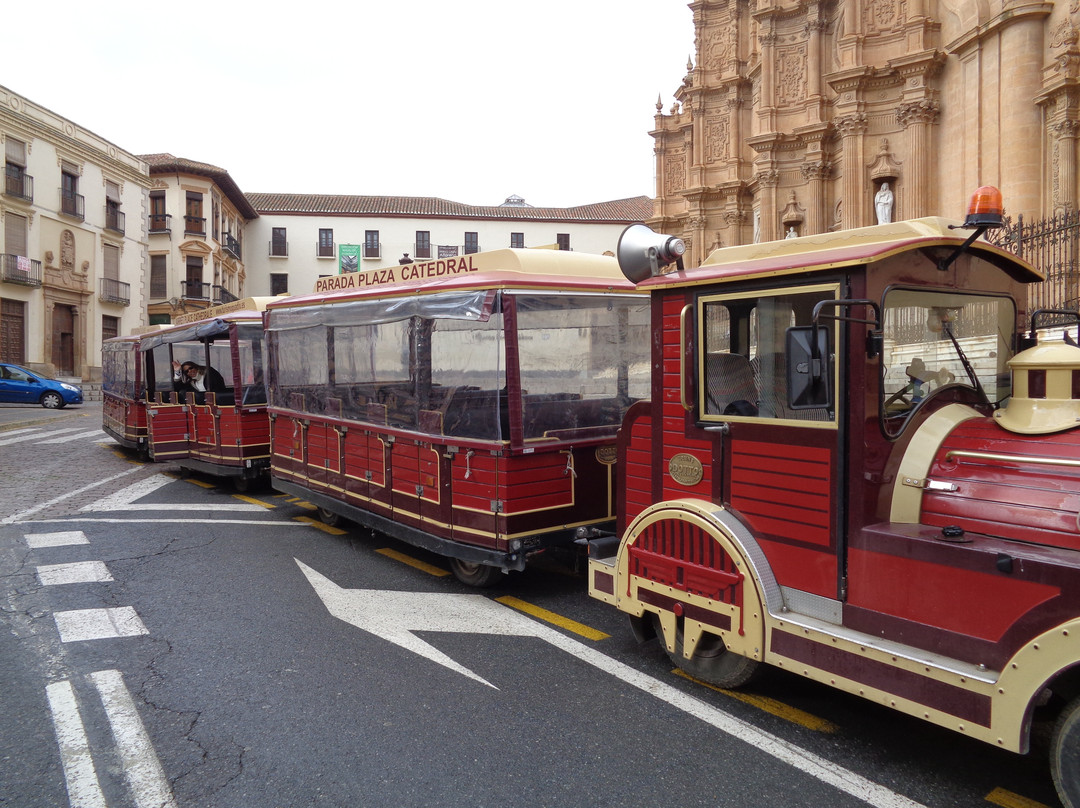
pixel 113 291
pixel 231 245
pixel 372 251
pixel 421 251
pixel 324 250
pixel 115 220
pixel 194 290
pixel 72 204
pixel 20 269
pixel 160 223
pixel 18 183
pixel 279 249
pixel 223 295
pixel 194 225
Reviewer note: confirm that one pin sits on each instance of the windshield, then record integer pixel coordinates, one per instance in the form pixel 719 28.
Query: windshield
pixel 938 338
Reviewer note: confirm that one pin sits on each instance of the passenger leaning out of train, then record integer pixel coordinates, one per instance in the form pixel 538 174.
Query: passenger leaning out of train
pixel 189 376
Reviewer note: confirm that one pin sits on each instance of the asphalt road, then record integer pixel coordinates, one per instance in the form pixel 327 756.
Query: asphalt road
pixel 171 643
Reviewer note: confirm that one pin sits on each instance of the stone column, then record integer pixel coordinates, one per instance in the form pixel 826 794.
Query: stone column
pixel 815 174
pixel 919 200
pixel 1064 158
pixel 853 194
pixel 768 182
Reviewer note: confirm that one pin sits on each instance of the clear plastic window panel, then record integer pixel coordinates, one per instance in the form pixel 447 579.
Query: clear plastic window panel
pixel 935 338
pixel 584 360
pixel 467 397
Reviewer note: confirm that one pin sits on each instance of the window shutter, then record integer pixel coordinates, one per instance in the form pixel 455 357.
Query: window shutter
pixel 14 234
pixel 15 152
pixel 112 191
pixel 112 262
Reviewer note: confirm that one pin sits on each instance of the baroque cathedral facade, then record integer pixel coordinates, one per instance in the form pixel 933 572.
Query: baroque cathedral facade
pixel 803 116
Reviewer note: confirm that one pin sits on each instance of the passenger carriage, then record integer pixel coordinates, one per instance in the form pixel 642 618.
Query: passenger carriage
pixel 467 405
pixel 225 433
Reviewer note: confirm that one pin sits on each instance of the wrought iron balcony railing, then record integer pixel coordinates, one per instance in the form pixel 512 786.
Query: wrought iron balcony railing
pixel 72 204
pixel 194 290
pixel 223 295
pixel 160 223
pixel 114 291
pixel 115 220
pixel 231 245
pixel 194 225
pixel 18 183
pixel 20 269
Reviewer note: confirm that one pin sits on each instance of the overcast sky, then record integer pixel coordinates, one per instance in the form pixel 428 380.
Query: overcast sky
pixel 467 100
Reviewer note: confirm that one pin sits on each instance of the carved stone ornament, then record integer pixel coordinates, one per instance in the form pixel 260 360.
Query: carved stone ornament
pixel 925 111
pixel 67 251
pixel 885 167
pixel 794 213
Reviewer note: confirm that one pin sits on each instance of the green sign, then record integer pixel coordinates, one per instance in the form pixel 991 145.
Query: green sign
pixel 348 258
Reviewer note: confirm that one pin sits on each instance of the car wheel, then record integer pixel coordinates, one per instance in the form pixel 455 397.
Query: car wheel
pixel 51 401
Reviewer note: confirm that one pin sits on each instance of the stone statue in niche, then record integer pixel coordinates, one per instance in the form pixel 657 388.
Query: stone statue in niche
pixel 883 204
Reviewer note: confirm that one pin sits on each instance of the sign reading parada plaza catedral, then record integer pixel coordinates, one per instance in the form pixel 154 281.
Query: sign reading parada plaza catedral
pixel 402 273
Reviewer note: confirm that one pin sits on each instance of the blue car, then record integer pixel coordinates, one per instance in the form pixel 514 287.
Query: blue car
pixel 21 386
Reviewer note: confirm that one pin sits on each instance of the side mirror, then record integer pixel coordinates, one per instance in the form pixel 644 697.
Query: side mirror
pixel 809 368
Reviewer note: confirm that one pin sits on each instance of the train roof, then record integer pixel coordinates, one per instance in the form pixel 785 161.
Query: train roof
pixel 497 269
pixel 841 248
pixel 210 322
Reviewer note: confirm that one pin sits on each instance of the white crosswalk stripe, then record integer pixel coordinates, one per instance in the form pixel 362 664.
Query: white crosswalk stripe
pixel 93 433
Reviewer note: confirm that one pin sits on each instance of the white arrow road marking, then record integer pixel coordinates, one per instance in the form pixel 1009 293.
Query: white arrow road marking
pixel 17 517
pixel 93 433
pixel 395 615
pixel 124 500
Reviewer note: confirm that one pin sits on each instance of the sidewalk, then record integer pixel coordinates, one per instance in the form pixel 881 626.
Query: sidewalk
pixel 17 416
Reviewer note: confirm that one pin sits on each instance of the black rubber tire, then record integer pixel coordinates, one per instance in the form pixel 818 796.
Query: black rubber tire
pixel 329 517
pixel 712 661
pixel 1065 755
pixel 479 575
pixel 51 400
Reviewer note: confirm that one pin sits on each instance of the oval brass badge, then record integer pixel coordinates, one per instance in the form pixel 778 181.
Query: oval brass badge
pixel 685 469
pixel 606 454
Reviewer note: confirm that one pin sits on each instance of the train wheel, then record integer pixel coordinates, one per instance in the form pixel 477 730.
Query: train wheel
pixel 242 484
pixel 472 574
pixel 329 517
pixel 712 661
pixel 1065 755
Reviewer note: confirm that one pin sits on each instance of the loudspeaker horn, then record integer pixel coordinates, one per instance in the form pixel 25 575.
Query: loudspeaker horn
pixel 641 252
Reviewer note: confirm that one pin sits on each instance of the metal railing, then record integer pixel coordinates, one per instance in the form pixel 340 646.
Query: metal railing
pixel 72 204
pixel 114 291
pixel 20 269
pixel 231 245
pixel 115 220
pixel 18 183
pixel 324 250
pixel 1051 245
pixel 279 249
pixel 160 223
pixel 223 295
pixel 194 290
pixel 194 225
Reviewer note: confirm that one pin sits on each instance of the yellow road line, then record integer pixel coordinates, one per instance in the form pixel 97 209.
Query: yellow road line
pixel 1007 799
pixel 253 501
pixel 771 706
pixel 303 504
pixel 554 619
pixel 199 483
pixel 415 563
pixel 315 523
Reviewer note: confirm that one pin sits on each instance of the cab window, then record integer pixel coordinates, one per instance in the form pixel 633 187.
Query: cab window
pixel 741 367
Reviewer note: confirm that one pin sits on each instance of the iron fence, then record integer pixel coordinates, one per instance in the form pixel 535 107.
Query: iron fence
pixel 1051 245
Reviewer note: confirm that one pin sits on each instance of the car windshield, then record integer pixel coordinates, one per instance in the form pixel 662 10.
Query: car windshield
pixel 938 338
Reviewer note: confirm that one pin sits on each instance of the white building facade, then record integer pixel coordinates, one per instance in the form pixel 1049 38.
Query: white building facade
pixel 197 223
pixel 298 238
pixel 72 269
